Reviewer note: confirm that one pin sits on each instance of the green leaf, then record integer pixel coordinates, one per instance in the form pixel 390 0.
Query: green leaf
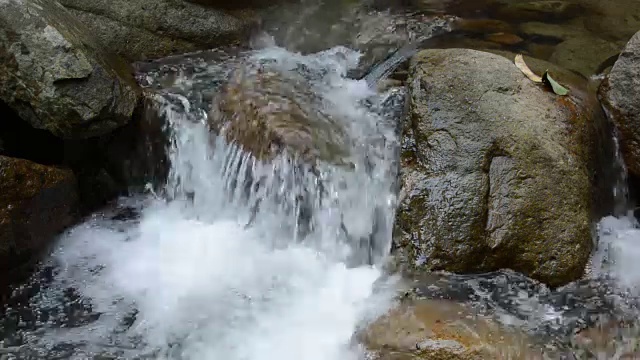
pixel 557 88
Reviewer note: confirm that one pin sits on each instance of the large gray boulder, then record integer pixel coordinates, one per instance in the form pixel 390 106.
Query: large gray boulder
pixel 36 202
pixel 495 171
pixel 141 30
pixel 620 96
pixel 55 75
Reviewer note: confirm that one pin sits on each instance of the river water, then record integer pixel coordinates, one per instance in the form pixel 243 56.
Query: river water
pixel 195 272
pixel 236 259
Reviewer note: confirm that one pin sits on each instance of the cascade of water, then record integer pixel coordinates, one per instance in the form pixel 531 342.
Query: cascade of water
pixel 622 202
pixel 242 258
pixel 618 235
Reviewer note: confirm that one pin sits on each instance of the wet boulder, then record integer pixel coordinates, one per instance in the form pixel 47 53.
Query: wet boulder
pixel 620 97
pixel 142 30
pixel 441 330
pixel 36 203
pixel 56 76
pixel 496 171
pixel 266 111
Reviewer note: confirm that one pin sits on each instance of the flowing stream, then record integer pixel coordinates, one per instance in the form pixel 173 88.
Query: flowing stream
pixel 235 258
pixel 215 265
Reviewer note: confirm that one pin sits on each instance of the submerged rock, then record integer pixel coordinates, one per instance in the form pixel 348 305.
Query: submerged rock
pixel 36 202
pixel 139 30
pixel 504 38
pixel 267 111
pixel 482 26
pixel 552 31
pixel 542 10
pixel 55 75
pixel 620 97
pixel 612 22
pixel 583 54
pixel 441 330
pixel 495 171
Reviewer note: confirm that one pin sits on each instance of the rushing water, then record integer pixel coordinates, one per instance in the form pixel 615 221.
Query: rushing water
pixel 215 266
pixel 233 258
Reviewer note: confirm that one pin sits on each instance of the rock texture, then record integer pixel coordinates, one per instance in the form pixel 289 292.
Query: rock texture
pixel 615 22
pixel 55 75
pixel 583 54
pixel 495 171
pixel 267 111
pixel 441 330
pixel 238 4
pixel 36 202
pixel 140 30
pixel 621 98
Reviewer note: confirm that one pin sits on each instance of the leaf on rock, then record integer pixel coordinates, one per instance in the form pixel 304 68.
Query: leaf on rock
pixel 520 64
pixel 557 88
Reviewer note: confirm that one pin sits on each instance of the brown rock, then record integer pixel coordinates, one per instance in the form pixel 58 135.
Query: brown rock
pixel 266 112
pixel 442 330
pixel 504 38
pixel 483 26
pixel 541 51
pixel 36 203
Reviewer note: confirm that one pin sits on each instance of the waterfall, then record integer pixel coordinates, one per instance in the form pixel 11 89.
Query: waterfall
pixel 618 245
pixel 227 262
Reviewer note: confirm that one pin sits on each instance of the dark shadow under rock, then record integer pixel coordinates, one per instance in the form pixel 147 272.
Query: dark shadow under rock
pixel 36 203
pixel 105 167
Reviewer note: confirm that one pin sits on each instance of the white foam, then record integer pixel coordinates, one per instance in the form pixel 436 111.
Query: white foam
pixel 618 251
pixel 216 289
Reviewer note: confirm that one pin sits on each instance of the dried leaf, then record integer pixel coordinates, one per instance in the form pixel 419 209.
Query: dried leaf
pixel 557 88
pixel 520 64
